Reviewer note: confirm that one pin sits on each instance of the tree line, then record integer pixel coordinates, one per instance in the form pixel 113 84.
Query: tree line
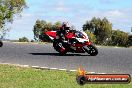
pixel 42 26
pixel 99 31
pixel 104 34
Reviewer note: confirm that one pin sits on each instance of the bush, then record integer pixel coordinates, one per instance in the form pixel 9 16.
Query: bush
pixel 129 40
pixel 119 38
pixel 91 36
pixel 32 40
pixel 23 39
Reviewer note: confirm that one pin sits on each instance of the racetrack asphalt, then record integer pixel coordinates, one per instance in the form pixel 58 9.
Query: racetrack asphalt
pixel 109 59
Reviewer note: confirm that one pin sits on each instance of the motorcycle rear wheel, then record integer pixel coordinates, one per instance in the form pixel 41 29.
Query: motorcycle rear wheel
pixel 58 48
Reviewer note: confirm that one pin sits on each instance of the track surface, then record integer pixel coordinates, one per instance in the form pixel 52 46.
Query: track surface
pixel 109 60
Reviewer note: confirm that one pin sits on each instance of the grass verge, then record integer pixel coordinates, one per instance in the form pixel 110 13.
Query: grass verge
pixel 18 77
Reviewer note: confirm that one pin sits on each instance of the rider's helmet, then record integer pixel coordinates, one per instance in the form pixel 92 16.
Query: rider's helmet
pixel 65 27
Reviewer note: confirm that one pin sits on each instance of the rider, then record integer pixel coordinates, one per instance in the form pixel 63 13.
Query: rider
pixel 65 37
pixel 61 36
pixel 64 29
pixel 65 34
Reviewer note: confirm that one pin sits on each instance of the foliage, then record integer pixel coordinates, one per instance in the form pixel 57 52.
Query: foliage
pixel 56 25
pixel 129 40
pixel 100 27
pixel 99 32
pixel 42 26
pixel 91 36
pixel 8 8
pixel 23 39
pixel 32 40
pixel 119 38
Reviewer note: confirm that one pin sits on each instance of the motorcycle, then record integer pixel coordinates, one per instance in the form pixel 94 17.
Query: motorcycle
pixel 77 42
pixel 1 43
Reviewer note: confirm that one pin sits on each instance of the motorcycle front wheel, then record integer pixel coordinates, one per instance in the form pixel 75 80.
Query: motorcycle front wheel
pixel 91 50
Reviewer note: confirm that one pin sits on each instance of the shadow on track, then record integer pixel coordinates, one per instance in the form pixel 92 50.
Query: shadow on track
pixel 57 54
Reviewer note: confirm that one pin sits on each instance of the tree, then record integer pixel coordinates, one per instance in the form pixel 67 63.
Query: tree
pixel 56 25
pixel 130 40
pixel 119 38
pixel 23 39
pixel 101 28
pixel 42 26
pixel 38 27
pixel 91 36
pixel 8 8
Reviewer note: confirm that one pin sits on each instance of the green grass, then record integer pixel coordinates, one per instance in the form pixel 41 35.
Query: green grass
pixel 18 77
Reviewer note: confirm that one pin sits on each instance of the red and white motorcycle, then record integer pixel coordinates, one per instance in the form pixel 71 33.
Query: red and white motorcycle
pixel 77 42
